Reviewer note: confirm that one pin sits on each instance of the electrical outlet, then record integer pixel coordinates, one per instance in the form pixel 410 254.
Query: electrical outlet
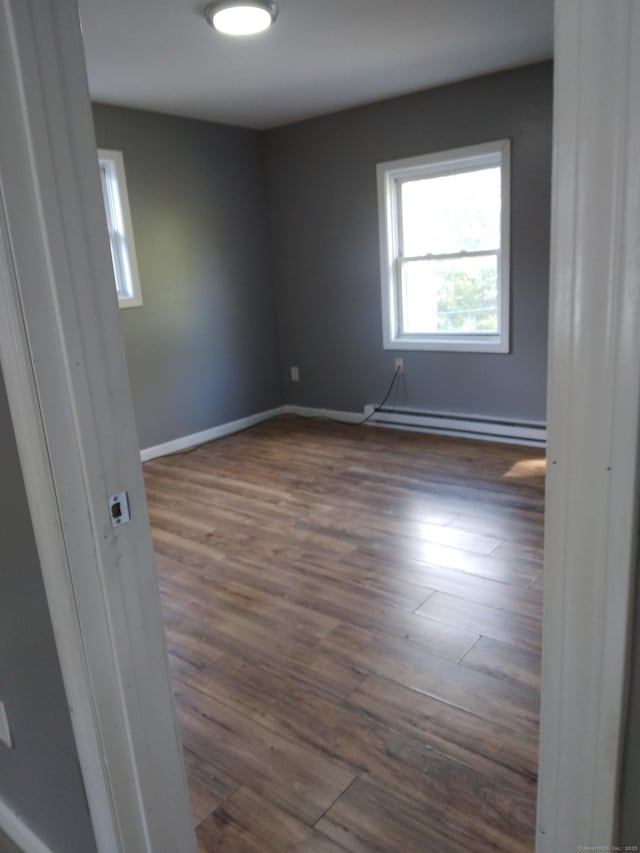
pixel 399 365
pixel 295 374
pixel 5 731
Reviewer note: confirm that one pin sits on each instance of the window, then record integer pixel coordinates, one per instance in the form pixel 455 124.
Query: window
pixel 444 236
pixel 116 205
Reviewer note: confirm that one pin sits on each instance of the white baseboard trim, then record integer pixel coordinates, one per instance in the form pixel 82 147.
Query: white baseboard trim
pixel 505 430
pixel 15 828
pixel 332 414
pixel 512 431
pixel 211 434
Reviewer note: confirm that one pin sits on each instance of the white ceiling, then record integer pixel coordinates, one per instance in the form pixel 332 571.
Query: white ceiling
pixel 320 56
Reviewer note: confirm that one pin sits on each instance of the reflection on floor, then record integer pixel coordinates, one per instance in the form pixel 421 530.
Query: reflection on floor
pixel 354 625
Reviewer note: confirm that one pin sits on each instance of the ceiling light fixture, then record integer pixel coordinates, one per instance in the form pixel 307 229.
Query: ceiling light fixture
pixel 241 17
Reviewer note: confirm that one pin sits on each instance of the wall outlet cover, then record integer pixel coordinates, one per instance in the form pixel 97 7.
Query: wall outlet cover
pixel 295 374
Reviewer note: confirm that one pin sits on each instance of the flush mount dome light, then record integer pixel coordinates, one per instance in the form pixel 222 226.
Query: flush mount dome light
pixel 241 17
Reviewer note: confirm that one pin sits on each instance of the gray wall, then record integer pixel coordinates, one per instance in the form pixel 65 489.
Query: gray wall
pixel 39 779
pixel 324 234
pixel 202 350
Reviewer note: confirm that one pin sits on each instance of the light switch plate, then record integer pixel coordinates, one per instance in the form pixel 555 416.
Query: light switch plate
pixel 5 731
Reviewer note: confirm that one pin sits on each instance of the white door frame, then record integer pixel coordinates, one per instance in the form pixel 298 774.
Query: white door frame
pixel 593 421
pixel 63 362
pixel 62 357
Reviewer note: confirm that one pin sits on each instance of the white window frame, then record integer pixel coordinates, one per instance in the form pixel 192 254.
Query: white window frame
pixel 118 214
pixel 390 177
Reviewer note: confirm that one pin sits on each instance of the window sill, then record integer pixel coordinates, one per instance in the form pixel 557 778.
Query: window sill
pixel 491 344
pixel 134 302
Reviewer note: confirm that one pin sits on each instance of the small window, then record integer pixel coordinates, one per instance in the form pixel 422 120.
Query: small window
pixel 444 236
pixel 116 205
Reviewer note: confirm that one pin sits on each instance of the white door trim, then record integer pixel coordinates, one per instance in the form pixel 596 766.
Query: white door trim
pixel 63 362
pixel 593 420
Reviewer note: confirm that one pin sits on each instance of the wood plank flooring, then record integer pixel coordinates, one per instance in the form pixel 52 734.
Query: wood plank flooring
pixel 353 619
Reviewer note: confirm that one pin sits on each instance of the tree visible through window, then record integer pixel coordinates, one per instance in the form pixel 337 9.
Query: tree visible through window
pixel 444 230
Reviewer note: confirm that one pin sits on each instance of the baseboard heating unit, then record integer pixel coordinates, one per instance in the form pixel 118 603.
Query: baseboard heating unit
pixel 509 430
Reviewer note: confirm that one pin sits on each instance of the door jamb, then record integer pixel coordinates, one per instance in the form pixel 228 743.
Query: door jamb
pixel 62 357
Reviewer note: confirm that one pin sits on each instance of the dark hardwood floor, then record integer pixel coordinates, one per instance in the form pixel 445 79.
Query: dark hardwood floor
pixel 354 625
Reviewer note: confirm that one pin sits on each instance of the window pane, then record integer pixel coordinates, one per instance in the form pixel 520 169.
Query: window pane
pixel 456 295
pixel 453 213
pixel 116 206
pixel 121 266
pixel 115 260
